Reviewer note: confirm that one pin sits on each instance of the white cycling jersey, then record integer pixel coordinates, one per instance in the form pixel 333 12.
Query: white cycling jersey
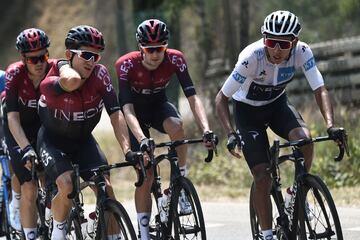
pixel 257 82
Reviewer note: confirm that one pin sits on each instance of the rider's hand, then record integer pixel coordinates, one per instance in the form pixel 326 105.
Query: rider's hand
pixel 209 139
pixel 234 144
pixel 337 134
pixel 28 155
pixel 147 145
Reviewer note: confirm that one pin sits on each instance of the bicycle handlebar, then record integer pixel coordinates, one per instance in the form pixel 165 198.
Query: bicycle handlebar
pixel 174 144
pixel 99 170
pixel 343 147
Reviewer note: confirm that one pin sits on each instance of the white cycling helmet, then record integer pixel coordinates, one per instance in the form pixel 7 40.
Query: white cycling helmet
pixel 281 23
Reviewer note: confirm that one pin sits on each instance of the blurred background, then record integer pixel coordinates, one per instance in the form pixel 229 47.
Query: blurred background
pixel 211 33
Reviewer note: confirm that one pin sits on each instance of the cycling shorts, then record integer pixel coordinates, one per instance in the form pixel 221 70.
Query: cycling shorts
pixel 252 122
pixel 152 117
pixel 58 159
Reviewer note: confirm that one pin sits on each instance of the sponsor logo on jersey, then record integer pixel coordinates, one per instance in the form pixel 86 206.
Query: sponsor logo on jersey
pixel 238 77
pixel 31 103
pixel 285 74
pixel 179 62
pixel 245 64
pixel 78 116
pixel 309 64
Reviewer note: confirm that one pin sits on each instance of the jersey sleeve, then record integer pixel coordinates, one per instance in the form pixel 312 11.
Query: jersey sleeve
pixel 182 73
pixel 308 66
pixel 107 90
pixel 11 87
pixel 123 67
pixel 243 69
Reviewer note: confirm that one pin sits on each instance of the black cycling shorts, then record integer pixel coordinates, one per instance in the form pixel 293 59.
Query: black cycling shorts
pixel 58 156
pixel 152 117
pixel 15 155
pixel 252 122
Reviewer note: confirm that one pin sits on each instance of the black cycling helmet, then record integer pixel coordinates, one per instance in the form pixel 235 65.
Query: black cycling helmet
pixel 152 31
pixel 32 39
pixel 84 35
pixel 281 23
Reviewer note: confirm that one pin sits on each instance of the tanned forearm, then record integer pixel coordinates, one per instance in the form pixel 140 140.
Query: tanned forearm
pixel 16 129
pixel 223 112
pixel 324 103
pixel 132 121
pixel 198 111
pixel 121 131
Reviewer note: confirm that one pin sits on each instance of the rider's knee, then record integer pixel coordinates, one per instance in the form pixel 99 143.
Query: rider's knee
pixel 176 127
pixel 262 178
pixel 64 184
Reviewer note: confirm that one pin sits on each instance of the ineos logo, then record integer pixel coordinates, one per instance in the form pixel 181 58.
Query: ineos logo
pixel 45 157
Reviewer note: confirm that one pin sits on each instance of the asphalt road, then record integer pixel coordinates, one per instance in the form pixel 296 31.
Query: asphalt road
pixel 230 220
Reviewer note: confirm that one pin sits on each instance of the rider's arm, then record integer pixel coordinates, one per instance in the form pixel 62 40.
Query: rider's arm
pixel 324 103
pixel 133 122
pixel 316 82
pixel 16 129
pixel 70 79
pixel 222 110
pixel 198 111
pixel 120 129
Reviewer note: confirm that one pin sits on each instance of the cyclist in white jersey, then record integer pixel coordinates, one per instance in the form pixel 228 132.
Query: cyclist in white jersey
pixel 257 86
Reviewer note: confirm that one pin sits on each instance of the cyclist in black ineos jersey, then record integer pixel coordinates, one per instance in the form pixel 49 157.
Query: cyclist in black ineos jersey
pixel 257 86
pixel 143 76
pixel 73 95
pixel 21 122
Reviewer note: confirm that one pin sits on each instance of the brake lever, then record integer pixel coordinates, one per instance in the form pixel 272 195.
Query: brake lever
pixel 142 174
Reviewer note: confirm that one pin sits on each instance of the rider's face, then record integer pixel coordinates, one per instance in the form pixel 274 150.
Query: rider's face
pixel 278 48
pixel 84 60
pixel 153 54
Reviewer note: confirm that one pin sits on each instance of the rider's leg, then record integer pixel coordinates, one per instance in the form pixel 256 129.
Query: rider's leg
pixel 262 202
pixel 307 150
pixel 28 210
pixel 143 205
pixel 61 204
pixel 174 128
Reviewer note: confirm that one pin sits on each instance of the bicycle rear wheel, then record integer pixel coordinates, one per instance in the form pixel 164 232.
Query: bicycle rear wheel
pixel 321 218
pixel 113 220
pixel 187 225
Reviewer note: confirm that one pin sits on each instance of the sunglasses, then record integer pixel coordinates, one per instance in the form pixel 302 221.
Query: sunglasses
pixel 36 59
pixel 152 49
pixel 283 44
pixel 87 55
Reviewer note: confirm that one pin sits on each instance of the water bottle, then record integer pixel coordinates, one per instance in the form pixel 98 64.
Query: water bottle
pixel 163 205
pixel 90 224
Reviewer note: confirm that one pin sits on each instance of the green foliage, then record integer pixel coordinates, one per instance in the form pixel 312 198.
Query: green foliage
pixel 346 172
pixel 224 170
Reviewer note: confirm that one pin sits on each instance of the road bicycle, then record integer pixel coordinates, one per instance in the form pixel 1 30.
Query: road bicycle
pixel 176 224
pixel 5 197
pixel 311 213
pixel 111 217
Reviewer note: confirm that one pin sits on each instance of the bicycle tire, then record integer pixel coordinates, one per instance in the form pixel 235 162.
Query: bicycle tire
pixel 116 209
pixel 187 226
pixel 73 226
pixel 5 225
pixel 322 220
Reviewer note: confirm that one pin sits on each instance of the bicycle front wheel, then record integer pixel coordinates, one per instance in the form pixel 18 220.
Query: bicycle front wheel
pixel 113 222
pixel 188 223
pixel 321 217
pixel 73 230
